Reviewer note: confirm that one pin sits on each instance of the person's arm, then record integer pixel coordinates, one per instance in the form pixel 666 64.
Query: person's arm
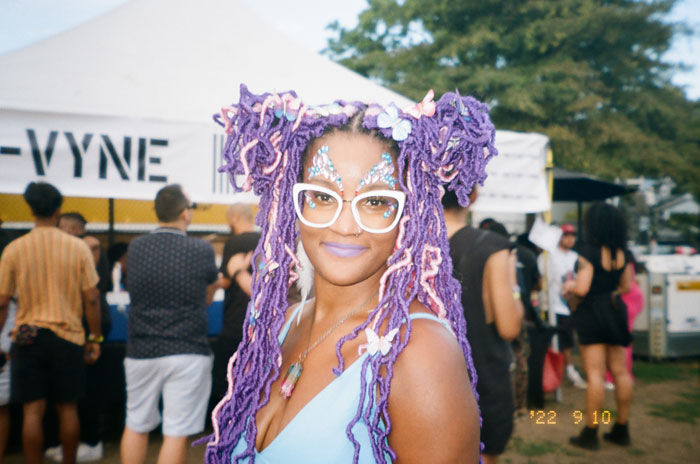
pixel 224 282
pixel 237 268
pixel 501 294
pixel 211 289
pixel 582 283
pixel 91 302
pixel 434 415
pixel 625 280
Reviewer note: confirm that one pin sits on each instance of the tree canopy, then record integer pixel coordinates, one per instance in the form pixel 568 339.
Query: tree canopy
pixel 588 73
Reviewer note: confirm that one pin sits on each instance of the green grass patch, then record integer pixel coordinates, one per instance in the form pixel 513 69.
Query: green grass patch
pixel 663 371
pixel 534 448
pixel 686 409
pixel 636 452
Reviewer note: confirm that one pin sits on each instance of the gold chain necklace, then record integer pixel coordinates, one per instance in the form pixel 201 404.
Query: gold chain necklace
pixel 295 370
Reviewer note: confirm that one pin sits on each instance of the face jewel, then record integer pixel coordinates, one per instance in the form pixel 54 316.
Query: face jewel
pixel 380 172
pixel 323 166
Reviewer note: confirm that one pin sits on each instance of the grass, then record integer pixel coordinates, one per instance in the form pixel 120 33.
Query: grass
pixel 534 448
pixel 663 372
pixel 636 452
pixel 686 409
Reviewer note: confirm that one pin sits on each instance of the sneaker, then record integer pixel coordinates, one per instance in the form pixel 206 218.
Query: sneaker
pixel 575 377
pixel 609 386
pixel 55 453
pixel 87 453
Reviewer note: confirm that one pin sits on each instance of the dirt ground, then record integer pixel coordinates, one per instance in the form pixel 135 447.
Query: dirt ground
pixel 664 425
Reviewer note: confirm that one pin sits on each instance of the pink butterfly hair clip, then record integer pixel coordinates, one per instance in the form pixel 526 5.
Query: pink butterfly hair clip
pixel 424 108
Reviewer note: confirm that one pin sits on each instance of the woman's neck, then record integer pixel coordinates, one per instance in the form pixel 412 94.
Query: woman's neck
pixel 333 301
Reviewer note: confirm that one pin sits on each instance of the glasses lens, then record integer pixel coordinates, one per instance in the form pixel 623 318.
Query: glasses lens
pixel 317 207
pixel 377 212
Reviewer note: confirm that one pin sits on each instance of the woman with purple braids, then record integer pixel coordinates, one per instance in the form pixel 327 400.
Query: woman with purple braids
pixel 376 367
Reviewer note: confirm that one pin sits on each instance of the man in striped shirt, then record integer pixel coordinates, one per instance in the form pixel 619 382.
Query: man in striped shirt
pixel 53 275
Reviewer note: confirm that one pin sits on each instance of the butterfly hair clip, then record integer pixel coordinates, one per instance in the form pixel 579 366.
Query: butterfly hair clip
pixel 400 128
pixel 424 108
pixel 378 343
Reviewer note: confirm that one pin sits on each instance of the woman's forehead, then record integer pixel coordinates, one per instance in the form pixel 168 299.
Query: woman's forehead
pixel 351 154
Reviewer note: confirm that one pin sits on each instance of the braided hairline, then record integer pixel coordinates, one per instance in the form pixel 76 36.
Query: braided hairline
pixel 425 160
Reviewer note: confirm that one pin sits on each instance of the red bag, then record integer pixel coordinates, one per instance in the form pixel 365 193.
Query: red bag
pixel 553 371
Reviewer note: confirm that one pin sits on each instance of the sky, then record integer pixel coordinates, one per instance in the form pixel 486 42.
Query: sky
pixel 23 22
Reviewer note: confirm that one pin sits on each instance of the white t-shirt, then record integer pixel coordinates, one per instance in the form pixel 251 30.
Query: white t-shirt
pixel 560 268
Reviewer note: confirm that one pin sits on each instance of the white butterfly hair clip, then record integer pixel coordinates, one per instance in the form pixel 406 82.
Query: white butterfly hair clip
pixel 378 343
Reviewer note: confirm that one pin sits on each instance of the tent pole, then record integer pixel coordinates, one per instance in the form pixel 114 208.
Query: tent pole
pixel 578 225
pixel 110 232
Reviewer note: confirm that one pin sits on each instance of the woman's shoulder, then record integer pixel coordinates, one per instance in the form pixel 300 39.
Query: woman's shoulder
pixel 432 405
pixel 430 340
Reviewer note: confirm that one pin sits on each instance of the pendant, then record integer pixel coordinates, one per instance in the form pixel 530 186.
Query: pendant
pixel 290 380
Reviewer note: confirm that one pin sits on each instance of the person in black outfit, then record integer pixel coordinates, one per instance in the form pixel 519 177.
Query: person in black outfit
pixel 529 280
pixel 492 306
pixel 600 319
pixel 235 279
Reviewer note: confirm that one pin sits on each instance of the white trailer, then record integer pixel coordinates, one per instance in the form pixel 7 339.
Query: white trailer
pixel 669 325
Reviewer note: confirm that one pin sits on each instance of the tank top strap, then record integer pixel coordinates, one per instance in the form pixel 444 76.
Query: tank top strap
pixel 288 324
pixel 432 317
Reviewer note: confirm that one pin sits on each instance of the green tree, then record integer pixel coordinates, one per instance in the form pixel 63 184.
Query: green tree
pixel 588 73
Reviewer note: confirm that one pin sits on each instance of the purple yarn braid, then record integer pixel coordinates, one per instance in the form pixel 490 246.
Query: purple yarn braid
pixel 267 137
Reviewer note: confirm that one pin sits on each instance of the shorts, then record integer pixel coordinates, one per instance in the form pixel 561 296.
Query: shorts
pixel 496 427
pixel 565 331
pixel 50 368
pixel 183 381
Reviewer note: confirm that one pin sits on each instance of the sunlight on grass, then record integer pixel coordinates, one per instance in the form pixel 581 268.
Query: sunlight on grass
pixel 686 409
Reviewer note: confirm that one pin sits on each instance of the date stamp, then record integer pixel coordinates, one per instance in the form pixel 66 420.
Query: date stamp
pixel 541 417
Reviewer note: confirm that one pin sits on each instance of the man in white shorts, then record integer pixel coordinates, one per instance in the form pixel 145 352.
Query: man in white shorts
pixel 171 281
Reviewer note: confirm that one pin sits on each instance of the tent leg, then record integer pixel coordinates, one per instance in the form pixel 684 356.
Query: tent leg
pixel 110 232
pixel 579 232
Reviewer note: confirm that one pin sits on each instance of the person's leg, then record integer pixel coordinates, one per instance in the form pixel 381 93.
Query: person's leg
pixel 623 381
pixel 185 397
pixel 134 446
pixel 32 431
pixel 567 356
pixel 489 458
pixel 69 430
pixel 4 429
pixel 144 380
pixel 594 366
pixel 173 450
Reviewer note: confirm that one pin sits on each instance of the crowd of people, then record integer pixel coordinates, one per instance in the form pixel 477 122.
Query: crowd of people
pixel 405 328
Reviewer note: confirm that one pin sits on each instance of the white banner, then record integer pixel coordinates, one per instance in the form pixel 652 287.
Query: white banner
pixel 126 158
pixel 517 181
pixel 112 157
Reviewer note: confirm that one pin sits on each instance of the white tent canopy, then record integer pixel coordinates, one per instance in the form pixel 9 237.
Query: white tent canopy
pixel 121 105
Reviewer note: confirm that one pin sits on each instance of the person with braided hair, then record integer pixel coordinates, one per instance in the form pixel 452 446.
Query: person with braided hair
pixel 377 366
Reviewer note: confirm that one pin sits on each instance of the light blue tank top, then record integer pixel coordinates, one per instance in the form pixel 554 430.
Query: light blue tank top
pixel 317 434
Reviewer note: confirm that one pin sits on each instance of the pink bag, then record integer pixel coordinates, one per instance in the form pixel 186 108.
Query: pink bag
pixel 553 371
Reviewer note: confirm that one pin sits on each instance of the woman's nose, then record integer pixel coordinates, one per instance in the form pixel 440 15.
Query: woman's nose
pixel 346 224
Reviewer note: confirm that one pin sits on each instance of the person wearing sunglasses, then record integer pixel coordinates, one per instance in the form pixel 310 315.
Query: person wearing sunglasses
pixel 376 367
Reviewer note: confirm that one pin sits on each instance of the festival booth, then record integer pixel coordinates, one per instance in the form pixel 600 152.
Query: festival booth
pixel 116 108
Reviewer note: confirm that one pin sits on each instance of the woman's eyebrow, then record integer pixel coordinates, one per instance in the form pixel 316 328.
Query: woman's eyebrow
pixel 323 182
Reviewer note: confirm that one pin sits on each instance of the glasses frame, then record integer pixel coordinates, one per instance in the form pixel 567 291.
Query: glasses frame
pixel 400 197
